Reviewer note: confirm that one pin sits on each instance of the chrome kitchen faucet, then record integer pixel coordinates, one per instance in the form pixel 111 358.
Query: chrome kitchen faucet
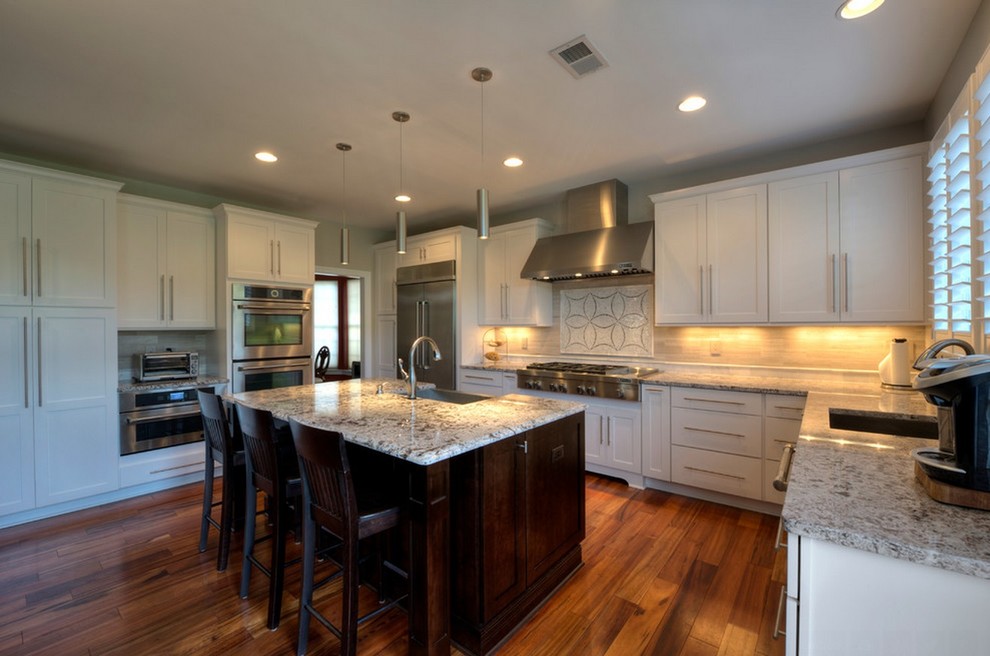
pixel 411 376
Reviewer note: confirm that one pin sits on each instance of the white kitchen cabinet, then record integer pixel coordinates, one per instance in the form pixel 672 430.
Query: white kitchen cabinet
pixel 717 440
pixel 711 258
pixel 16 410
pixel 385 337
pixel 656 432
pixel 505 298
pixel 432 247
pixel 853 602
pixel 57 237
pixel 481 381
pixel 267 247
pixel 167 275
pixel 385 260
pixel 613 436
pixel 781 427
pixel 804 248
pixel 162 464
pixel 882 230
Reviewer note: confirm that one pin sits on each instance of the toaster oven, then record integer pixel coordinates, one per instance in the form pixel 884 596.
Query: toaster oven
pixel 167 365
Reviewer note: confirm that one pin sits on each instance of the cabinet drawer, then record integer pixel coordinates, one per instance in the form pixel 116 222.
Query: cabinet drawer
pixel 721 472
pixel 785 406
pixel 746 403
pixel 717 431
pixel 770 493
pixel 483 382
pixel 778 432
pixel 163 464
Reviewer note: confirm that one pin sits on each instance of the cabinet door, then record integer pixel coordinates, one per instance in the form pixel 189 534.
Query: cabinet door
pixel 504 528
pixel 881 230
pixel 491 281
pixel 16 251
pixel 595 430
pixel 16 401
pixel 190 285
pixel 737 255
pixel 803 216
pixel 527 302
pixel 295 254
pixel 76 443
pixel 250 248
pixel 385 263
pixel 75 242
pixel 385 337
pixel 656 432
pixel 680 261
pixel 624 440
pixel 141 278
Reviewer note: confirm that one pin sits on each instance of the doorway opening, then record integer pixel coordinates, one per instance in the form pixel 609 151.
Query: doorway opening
pixel 337 311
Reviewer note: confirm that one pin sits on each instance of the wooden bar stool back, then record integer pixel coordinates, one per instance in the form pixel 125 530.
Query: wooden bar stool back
pixel 225 448
pixel 271 468
pixel 330 503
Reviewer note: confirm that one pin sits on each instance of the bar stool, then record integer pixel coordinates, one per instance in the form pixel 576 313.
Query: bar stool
pixel 331 504
pixel 271 468
pixel 222 447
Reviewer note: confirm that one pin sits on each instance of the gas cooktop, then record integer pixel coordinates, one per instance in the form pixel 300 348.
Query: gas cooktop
pixel 614 381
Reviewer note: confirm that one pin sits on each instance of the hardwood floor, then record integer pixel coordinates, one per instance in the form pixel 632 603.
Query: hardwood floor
pixel 663 574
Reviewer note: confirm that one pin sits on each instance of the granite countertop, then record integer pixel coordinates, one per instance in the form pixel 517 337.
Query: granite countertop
pixel 162 385
pixel 421 431
pixel 859 490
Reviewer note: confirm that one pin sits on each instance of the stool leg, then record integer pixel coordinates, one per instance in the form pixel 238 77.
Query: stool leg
pixel 250 509
pixel 348 623
pixel 226 517
pixel 279 532
pixel 204 524
pixel 308 572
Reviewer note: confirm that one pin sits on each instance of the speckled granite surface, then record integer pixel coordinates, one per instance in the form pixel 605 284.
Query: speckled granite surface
pixel 131 386
pixel 420 431
pixel 858 490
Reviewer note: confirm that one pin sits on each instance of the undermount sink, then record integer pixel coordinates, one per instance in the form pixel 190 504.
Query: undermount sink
pixel 450 396
pixel 883 424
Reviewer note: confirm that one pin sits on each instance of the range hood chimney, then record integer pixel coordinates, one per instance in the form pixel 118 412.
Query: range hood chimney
pixel 599 240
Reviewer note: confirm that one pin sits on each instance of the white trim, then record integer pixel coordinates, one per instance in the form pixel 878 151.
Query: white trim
pixel 7 165
pixel 367 313
pixel 227 209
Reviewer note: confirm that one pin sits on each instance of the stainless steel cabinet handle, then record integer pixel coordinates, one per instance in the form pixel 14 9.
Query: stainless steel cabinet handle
pixel 168 469
pixel 271 247
pixel 780 611
pixel 784 470
pixel 778 542
pixel 695 398
pixel 24 262
pixel 711 286
pixel 484 378
pixel 701 287
pixel 833 285
pixel 27 381
pixel 845 279
pixel 709 471
pixel 40 370
pixel 171 298
pixel 161 298
pixel 279 257
pixel 38 265
pixel 713 432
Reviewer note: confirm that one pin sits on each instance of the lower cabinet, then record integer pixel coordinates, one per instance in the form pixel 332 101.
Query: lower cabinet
pixel 162 464
pixel 613 436
pixel 656 432
pixel 517 522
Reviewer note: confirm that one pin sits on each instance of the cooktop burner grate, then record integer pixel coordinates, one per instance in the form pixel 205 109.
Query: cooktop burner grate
pixel 579 368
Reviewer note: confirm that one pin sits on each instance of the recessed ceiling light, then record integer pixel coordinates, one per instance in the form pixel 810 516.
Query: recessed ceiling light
pixel 578 275
pixel 857 8
pixel 692 104
pixel 513 162
pixel 265 157
pixel 403 198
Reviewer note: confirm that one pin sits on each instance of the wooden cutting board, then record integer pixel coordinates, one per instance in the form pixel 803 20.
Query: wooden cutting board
pixel 950 494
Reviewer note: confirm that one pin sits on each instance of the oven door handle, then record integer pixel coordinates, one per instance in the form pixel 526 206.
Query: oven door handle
pixel 274 309
pixel 160 417
pixel 265 367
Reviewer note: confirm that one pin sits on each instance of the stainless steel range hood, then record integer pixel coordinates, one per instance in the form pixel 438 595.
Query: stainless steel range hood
pixel 599 240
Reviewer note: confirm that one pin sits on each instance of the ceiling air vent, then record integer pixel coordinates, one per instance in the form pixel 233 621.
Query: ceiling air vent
pixel 579 57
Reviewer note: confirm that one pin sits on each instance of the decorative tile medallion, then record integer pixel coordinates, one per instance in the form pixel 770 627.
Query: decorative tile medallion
pixel 607 320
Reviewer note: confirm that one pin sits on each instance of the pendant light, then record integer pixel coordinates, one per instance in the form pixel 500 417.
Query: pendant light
pixel 482 75
pixel 345 234
pixel 402 197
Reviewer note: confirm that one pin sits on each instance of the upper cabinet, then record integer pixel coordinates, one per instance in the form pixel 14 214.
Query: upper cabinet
pixel 268 247
pixel 838 241
pixel 167 265
pixel 711 258
pixel 505 298
pixel 431 247
pixel 57 239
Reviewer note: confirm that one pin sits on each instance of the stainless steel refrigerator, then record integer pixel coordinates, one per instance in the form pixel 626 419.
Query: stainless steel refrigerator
pixel 427 306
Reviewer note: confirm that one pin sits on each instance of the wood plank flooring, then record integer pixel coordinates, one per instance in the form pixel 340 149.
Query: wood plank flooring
pixel 663 574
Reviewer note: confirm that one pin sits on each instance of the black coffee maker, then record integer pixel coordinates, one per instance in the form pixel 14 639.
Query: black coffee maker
pixel 960 390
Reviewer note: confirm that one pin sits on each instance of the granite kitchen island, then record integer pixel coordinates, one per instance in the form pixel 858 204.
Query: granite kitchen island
pixel 495 503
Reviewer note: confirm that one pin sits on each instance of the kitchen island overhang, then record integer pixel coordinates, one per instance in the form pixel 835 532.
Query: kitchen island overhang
pixel 463 462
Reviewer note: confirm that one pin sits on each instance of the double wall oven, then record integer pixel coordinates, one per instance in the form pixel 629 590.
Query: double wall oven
pixel 271 337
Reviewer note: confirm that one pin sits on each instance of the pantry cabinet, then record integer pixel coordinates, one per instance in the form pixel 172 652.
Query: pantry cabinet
pixel 505 299
pixel 711 258
pixel 57 238
pixel 16 410
pixel 267 247
pixel 167 258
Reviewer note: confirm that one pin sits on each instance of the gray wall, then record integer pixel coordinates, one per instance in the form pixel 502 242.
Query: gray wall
pixel 968 55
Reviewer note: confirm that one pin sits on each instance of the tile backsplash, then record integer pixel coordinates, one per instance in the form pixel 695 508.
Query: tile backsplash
pixel 132 343
pixel 607 321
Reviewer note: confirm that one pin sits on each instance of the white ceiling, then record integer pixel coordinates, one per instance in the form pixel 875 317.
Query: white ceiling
pixel 183 92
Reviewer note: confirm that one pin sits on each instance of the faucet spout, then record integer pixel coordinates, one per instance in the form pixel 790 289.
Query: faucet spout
pixel 411 376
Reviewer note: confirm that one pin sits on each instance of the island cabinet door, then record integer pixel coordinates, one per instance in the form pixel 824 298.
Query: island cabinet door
pixel 555 488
